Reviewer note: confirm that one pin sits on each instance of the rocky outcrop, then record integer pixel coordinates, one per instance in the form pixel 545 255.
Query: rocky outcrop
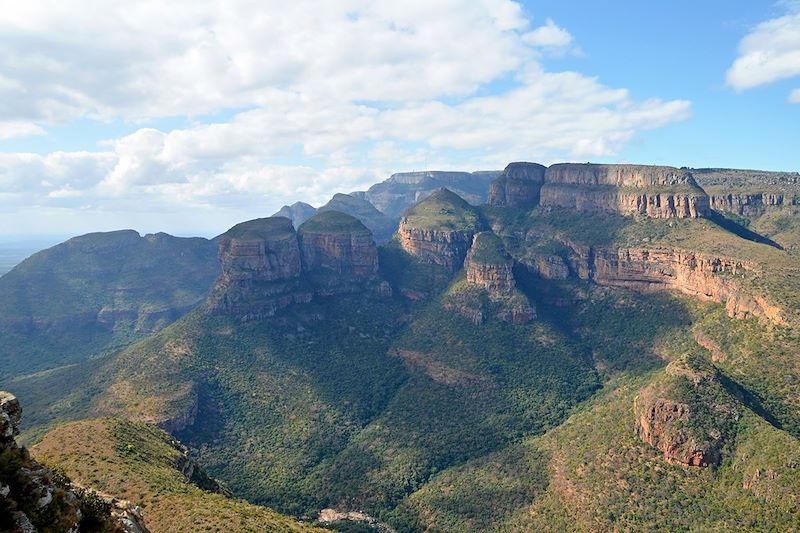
pixel 261 270
pixel 752 204
pixel 33 497
pixel 439 230
pixel 686 414
pixel 518 186
pixel 338 251
pixel 267 265
pixel 652 191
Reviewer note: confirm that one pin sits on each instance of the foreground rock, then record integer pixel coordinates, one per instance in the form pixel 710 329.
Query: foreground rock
pixel 34 498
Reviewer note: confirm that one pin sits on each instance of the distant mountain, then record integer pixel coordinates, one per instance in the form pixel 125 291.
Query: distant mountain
pixel 298 212
pixel 381 226
pixel 96 292
pixel 405 189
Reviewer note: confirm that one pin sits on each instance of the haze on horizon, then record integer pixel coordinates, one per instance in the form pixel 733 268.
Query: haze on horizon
pixel 192 116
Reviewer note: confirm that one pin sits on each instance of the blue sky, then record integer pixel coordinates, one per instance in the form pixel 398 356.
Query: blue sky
pixel 192 116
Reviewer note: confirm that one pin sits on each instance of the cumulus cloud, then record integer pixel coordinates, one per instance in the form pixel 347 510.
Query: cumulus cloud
pixel 311 98
pixel 769 53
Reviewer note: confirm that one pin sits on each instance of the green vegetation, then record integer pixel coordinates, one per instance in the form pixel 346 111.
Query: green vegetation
pixel 262 229
pixel 96 293
pixel 444 211
pixel 142 464
pixel 488 248
pixel 381 226
pixel 332 222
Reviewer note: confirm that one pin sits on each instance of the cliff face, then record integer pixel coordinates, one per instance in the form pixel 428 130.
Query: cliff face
pixel 709 278
pixel 339 257
pixel 656 192
pixel 261 269
pixel 517 186
pixel 439 229
pixel 753 203
pixel 267 266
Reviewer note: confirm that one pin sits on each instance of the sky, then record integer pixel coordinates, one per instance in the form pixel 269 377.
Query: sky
pixel 190 116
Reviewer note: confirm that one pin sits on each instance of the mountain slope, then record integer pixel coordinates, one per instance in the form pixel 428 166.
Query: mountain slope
pixel 96 292
pixel 145 466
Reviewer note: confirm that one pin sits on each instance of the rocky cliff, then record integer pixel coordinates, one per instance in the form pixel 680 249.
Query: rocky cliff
pixel 261 270
pixel 652 191
pixel 748 193
pixel 338 252
pixel 517 186
pixel 439 229
pixel 489 266
pixel 687 414
pixel 707 277
pixel 267 266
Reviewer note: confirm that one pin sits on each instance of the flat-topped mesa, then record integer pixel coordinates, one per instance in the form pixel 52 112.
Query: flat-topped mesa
pixel 338 252
pixel 518 186
pixel 652 191
pixel 439 229
pixel 261 269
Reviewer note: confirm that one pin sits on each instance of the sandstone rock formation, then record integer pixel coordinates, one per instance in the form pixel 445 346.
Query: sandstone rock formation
pixel 656 192
pixel 267 266
pixel 687 415
pixel 707 277
pixel 439 229
pixel 31 499
pixel 338 252
pixel 261 270
pixel 518 186
pixel 748 193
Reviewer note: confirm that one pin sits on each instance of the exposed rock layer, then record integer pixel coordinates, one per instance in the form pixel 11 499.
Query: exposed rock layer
pixel 517 186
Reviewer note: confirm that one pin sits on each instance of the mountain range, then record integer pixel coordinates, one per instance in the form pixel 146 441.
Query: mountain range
pixel 578 347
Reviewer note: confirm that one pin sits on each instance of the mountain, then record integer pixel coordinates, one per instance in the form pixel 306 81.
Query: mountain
pixel 97 292
pixel 298 212
pixel 599 347
pixel 403 190
pixel 381 226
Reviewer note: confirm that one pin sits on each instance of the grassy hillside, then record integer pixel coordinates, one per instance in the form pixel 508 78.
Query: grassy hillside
pixel 594 473
pixel 141 464
pixel 444 211
pixel 381 226
pixel 96 293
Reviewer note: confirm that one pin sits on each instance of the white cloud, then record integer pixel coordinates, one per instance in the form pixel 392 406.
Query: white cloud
pixel 548 36
pixel 336 95
pixel 769 53
pixel 17 129
pixel 794 97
